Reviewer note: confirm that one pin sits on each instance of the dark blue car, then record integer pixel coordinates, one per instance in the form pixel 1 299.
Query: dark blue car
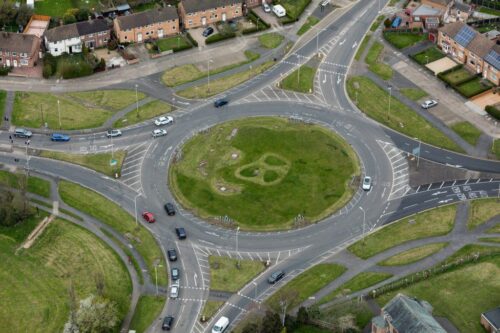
pixel 60 137
pixel 220 102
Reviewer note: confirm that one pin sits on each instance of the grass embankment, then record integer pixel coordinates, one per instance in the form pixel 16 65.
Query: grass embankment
pixel 481 211
pixel 300 80
pixel 467 131
pixel 224 83
pixel 113 215
pixel 373 60
pixel 147 111
pixel 210 309
pixel 377 22
pixel 401 40
pixel 362 47
pixel 226 276
pixel 271 40
pixel 413 93
pixel 357 283
pixel 436 222
pixel 308 283
pixel 99 162
pixel 310 22
pixel 147 310
pixel 264 172
pixel 78 110
pixel 495 148
pixel 373 101
pixel 39 278
pixel 189 73
pixel 35 185
pixel 413 255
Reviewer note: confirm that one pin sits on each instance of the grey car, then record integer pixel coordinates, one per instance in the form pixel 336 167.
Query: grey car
pixel 22 133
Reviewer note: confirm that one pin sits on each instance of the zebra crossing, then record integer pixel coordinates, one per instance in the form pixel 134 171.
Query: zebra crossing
pixel 400 170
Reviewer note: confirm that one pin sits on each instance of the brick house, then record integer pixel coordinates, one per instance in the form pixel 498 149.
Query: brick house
pixel 254 3
pixel 19 50
pixel 491 320
pixel 408 315
pixel 472 49
pixel 444 5
pixel 151 24
pixel 197 13
pixel 71 38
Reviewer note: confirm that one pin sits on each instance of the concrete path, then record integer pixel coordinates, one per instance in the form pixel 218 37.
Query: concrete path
pixel 9 106
pixel 132 107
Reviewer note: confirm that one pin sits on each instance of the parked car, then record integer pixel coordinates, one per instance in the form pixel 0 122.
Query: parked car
pixel 167 324
pixel 276 276
pixel 175 273
pixel 174 291
pixel 172 254
pixel 429 104
pixel 149 217
pixel 220 102
pixel 159 132
pixel 112 133
pixel 367 183
pixel 208 31
pixel 60 137
pixel 170 209
pixel 164 121
pixel 181 233
pixel 22 133
pixel 266 8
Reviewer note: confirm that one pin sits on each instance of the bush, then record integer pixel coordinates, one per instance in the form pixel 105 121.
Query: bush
pixel 112 44
pixel 191 39
pixel 69 18
pixel 4 71
pixel 493 111
pixel 218 37
pixel 387 22
pixel 261 24
pixel 47 71
pixel 250 30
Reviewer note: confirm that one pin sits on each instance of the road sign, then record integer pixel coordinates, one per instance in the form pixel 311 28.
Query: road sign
pixel 416 151
pixel 113 162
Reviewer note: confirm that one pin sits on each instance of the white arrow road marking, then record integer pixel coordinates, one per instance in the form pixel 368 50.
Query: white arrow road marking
pixel 339 79
pixel 439 192
pixel 324 79
pixel 342 42
pixel 195 277
pixel 354 45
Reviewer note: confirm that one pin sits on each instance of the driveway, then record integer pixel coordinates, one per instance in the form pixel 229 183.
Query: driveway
pixel 485 99
pixel 269 18
pixel 197 34
pixel 441 65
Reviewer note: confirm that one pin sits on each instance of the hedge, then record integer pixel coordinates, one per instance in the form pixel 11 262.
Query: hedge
pixel 493 111
pixel 191 39
pixel 4 71
pixel 181 48
pixel 250 30
pixel 257 20
pixel 218 37
pixel 288 20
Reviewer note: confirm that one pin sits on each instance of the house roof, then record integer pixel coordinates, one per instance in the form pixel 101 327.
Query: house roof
pixel 451 29
pixel 493 316
pixel 432 20
pixel 147 17
pixel 424 10
pixel 410 315
pixel 441 2
pixel 492 34
pixel 22 43
pixel 480 45
pixel 76 30
pixel 463 7
pixel 193 6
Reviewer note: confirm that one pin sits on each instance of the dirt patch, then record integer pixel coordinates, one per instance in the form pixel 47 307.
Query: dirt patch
pixel 36 232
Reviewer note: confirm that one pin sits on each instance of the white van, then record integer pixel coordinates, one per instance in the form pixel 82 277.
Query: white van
pixel 221 325
pixel 279 10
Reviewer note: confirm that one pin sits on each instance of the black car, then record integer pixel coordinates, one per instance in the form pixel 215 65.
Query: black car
pixel 168 322
pixel 208 31
pixel 170 209
pixel 175 273
pixel 172 254
pixel 275 277
pixel 181 233
pixel 220 102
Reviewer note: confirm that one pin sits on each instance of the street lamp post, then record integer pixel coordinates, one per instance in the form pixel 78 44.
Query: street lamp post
pixel 255 290
pixel 364 221
pixel 208 67
pixel 237 231
pixel 156 277
pixel 390 97
pixel 136 101
pixel 135 209
pixel 418 156
pixel 27 143
pixel 427 59
pixel 59 112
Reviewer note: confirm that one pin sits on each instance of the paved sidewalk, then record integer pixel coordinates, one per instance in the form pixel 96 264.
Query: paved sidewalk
pixel 9 106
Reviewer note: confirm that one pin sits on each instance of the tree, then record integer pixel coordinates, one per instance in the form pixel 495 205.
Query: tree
pixel 387 22
pixel 346 323
pixel 281 302
pixel 271 323
pixel 302 316
pixel 82 14
pixel 7 13
pixel 96 315
pixel 250 328
pixel 47 71
pixel 23 15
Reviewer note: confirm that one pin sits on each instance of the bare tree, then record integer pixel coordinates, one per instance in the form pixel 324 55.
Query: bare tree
pixel 346 323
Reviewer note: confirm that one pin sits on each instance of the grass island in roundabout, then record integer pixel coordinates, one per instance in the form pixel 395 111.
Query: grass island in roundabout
pixel 264 173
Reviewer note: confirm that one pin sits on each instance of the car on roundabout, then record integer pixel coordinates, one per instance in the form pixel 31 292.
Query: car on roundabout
pixel 181 233
pixel 174 290
pixel 172 254
pixel 170 209
pixel 148 217
pixel 164 120
pixel 175 273
pixel 60 137
pixel 367 183
pixel 167 324
pixel 113 133
pixel 275 277
pixel 220 103
pixel 158 133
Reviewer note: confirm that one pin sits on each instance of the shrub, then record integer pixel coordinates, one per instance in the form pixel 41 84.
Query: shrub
pixel 387 22
pixel 250 30
pixel 288 20
pixel 218 37
pixel 191 39
pixel 47 71
pixel 4 71
pixel 261 24
pixel 112 44
pixel 493 111
pixel 69 18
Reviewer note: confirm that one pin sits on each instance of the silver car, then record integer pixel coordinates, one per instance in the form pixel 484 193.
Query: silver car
pixel 429 104
pixel 367 183
pixel 174 291
pixel 159 132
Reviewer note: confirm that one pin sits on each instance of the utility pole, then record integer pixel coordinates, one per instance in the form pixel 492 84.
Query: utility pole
pixel 59 112
pixel 135 209
pixel 208 66
pixel 136 100
pixel 418 156
pixel 390 97
pixel 237 231
pixel 364 221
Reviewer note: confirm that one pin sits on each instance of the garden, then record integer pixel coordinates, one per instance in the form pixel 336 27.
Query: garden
pixel 464 82
pixel 401 40
pixel 427 56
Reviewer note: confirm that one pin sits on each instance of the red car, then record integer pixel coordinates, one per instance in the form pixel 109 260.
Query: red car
pixel 149 217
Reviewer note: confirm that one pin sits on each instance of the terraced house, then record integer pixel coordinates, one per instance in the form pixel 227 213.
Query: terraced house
pixel 198 13
pixel 19 50
pixel 151 24
pixel 475 51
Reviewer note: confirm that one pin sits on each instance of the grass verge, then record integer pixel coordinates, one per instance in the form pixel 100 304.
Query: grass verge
pixel 372 59
pixel 481 211
pixel 113 215
pixel 377 22
pixel 147 111
pixel 413 93
pixel 373 101
pixel 495 148
pixel 210 308
pixel 362 47
pixel 35 185
pixel 226 276
pixel 3 97
pixel 147 310
pixel 413 255
pixel 401 40
pixel 271 40
pixel 308 283
pixel 99 162
pixel 467 131
pixel 435 222
pixel 303 82
pixel 310 22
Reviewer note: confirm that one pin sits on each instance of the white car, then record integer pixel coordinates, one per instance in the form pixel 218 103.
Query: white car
pixel 429 104
pixel 266 7
pixel 159 132
pixel 174 291
pixel 164 121
pixel 367 183
pixel 112 133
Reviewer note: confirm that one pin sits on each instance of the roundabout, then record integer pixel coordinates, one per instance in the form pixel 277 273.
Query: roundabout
pixel 264 173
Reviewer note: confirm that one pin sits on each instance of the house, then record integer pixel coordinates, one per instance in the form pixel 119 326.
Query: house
pixel 151 24
pixel 408 315
pixel 19 50
pixel 72 37
pixel 197 13
pixel 491 320
pixel 254 3
pixel 472 49
pixel 459 12
pixel 37 25
pixel 424 12
pixel 444 5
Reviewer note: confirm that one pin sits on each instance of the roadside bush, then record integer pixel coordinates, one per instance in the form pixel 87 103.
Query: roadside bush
pixel 47 71
pixel 218 37
pixel 493 111
pixel 387 22
pixel 112 44
pixel 4 71
pixel 191 39
pixel 51 61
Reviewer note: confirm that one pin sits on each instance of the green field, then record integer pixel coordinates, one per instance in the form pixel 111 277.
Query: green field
pixel 38 278
pixel 460 295
pixel 113 215
pixel 373 60
pixel 226 276
pixel 467 131
pixel 311 21
pixel 413 93
pixel 301 82
pixel 481 211
pixel 78 110
pixel 357 283
pixel 264 172
pixel 428 56
pixel 373 101
pixel 413 255
pixel 147 111
pixel 402 40
pixel 99 162
pixel 435 222
pixel 271 40
pixel 308 283
pixel 57 8
pixel 147 310
pixel 35 184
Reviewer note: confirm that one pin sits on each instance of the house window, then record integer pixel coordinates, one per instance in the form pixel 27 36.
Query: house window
pixel 173 27
pixel 14 54
pixel 24 62
pixel 190 22
pixel 90 35
pixel 236 11
pixel 55 50
pixel 6 53
pixel 147 33
pixel 125 37
pixel 493 76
